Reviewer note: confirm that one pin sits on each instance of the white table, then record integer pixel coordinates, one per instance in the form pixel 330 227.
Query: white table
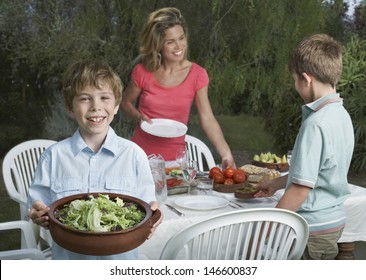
pixel 355 229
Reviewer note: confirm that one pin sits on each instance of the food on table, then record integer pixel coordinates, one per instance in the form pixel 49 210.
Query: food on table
pixel 256 178
pixel 247 192
pixel 239 176
pixel 173 171
pixel 236 176
pixel 219 178
pixel 270 158
pixel 173 182
pixel 100 214
pixel 250 169
pixel 229 181
pixel 229 172
pixel 249 189
pixel 256 175
pixel 213 171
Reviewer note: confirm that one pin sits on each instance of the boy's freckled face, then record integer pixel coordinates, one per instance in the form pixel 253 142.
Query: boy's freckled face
pixel 94 109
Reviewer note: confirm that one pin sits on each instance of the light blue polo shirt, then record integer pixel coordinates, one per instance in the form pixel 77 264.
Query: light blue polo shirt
pixel 70 167
pixel 321 158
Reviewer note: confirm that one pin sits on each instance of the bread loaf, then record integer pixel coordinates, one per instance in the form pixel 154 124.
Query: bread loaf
pixel 262 171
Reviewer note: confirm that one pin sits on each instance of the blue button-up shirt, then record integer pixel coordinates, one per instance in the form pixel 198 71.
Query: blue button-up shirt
pixel 70 167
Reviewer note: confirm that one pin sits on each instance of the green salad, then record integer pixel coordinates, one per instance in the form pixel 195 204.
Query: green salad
pixel 100 214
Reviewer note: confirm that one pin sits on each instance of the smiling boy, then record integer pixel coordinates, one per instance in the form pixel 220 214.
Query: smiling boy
pixel 94 159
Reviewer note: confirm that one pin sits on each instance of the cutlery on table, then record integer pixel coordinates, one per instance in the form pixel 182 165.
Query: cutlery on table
pixel 237 204
pixel 175 210
pixel 232 204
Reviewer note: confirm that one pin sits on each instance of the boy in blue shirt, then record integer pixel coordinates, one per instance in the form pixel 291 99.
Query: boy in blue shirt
pixel 94 159
pixel 316 185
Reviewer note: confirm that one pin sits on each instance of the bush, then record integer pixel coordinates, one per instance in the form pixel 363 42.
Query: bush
pixel 353 88
pixel 285 118
pixel 57 124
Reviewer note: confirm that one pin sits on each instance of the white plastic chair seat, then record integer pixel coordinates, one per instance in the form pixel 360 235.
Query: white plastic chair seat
pixel 30 250
pixel 199 151
pixel 252 234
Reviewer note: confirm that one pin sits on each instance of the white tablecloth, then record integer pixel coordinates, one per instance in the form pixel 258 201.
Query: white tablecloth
pixel 355 229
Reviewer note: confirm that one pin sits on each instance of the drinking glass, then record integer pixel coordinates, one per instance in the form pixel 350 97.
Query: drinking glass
pixel 204 186
pixel 289 156
pixel 157 166
pixel 189 171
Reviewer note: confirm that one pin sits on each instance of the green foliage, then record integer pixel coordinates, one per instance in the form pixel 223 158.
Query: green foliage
pixel 57 123
pixel 353 87
pixel 249 62
pixel 359 23
pixel 243 44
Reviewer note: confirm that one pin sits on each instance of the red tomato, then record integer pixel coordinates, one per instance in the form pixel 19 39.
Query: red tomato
pixel 214 170
pixel 229 172
pixel 240 170
pixel 239 177
pixel 219 178
pixel 229 181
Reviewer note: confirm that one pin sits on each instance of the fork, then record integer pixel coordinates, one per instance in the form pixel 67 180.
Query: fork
pixel 236 204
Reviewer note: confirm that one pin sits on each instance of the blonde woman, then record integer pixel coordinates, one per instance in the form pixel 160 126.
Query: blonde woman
pixel 166 84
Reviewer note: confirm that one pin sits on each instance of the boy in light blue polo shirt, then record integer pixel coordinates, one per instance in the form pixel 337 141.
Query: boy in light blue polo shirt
pixel 94 158
pixel 316 185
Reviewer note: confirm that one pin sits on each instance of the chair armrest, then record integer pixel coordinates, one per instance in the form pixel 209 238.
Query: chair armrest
pixel 25 227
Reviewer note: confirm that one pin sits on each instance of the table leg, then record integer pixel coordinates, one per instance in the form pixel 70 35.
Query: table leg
pixel 346 251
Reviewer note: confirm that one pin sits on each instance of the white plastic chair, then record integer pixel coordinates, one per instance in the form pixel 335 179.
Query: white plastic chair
pixel 19 165
pixel 30 250
pixel 199 151
pixel 252 234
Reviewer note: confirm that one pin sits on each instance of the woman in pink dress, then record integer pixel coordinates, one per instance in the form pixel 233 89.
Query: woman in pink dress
pixel 166 84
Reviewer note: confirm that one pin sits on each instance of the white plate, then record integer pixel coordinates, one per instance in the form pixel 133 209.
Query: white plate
pixel 201 202
pixel 164 128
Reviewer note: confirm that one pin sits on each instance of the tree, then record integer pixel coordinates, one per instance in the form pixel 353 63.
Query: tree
pixel 352 87
pixel 360 20
pixel 243 44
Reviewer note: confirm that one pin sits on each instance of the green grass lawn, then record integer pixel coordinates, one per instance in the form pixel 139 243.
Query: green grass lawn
pixel 246 133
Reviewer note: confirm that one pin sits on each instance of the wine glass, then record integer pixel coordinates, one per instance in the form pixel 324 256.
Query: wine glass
pixel 189 171
pixel 180 156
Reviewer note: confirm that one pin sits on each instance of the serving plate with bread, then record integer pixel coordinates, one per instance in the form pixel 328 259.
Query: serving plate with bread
pixel 255 175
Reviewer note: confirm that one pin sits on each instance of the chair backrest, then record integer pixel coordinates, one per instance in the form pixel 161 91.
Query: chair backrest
pixel 248 234
pixel 199 151
pixel 18 170
pixel 19 165
pixel 30 250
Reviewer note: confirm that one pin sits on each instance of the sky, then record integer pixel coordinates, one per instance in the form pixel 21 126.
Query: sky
pixel 352 4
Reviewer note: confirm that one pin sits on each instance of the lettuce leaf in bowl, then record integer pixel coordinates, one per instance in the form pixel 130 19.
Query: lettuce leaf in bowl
pixel 100 214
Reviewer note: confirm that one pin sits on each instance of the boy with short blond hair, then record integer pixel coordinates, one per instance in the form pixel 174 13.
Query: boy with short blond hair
pixel 317 185
pixel 94 159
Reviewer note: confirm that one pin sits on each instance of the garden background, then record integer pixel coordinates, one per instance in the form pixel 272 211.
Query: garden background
pixel 243 44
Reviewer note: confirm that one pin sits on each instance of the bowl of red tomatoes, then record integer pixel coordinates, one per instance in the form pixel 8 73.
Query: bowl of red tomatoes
pixel 228 180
